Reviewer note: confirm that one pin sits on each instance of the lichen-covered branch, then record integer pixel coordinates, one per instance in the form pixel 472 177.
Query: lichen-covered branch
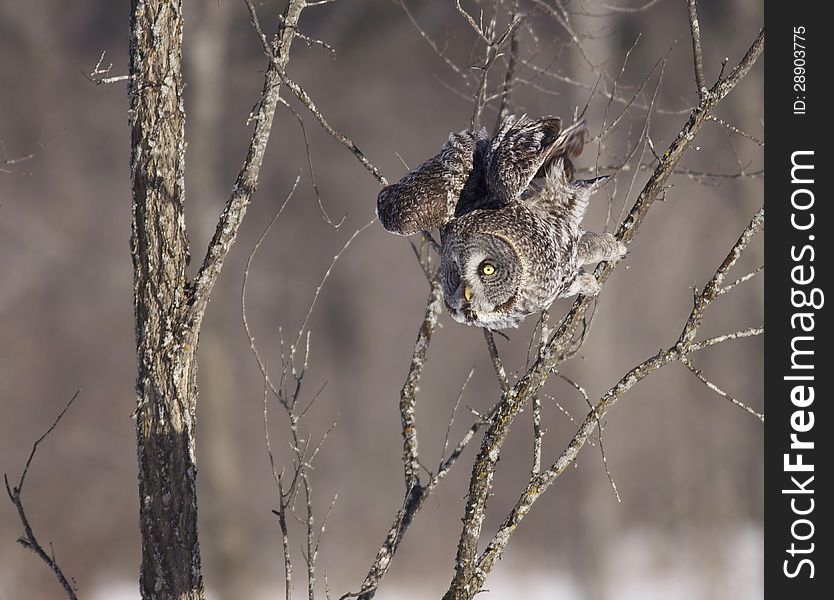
pixel 496 361
pixel 247 179
pixel 697 52
pixel 166 386
pixel 469 571
pixel 411 462
pixel 679 352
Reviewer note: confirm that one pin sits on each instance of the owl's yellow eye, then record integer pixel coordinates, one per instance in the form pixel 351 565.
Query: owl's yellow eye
pixel 487 268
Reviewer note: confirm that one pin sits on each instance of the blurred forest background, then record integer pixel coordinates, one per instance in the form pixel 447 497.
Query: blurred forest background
pixel 686 462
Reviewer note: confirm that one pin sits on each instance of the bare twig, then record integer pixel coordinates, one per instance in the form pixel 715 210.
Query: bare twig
pixel 678 352
pixel 432 43
pixel 281 513
pixel 327 274
pixel 700 375
pixel 561 16
pixel 512 65
pixel 452 417
pixel 697 52
pixel 247 179
pixel 5 161
pixel 249 334
pixel 470 572
pixel 278 66
pixel 496 361
pixel 635 9
pixel 15 493
pixel 494 43
pixel 737 130
pixel 475 26
pixel 720 339
pixel 101 75
pixel 740 280
pixel 315 185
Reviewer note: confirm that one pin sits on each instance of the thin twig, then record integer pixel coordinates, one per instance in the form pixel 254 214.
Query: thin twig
pixel 678 352
pixel 740 280
pixel 313 181
pixel 15 493
pixel 101 75
pixel 470 571
pixel 431 43
pixel 700 375
pixel 452 417
pixel 720 339
pixel 510 75
pixel 697 52
pixel 737 130
pixel 496 361
pixel 247 180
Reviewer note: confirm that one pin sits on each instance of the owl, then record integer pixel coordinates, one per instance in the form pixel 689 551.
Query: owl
pixel 513 243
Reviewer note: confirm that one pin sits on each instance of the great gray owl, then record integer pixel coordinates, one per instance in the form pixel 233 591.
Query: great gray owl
pixel 509 245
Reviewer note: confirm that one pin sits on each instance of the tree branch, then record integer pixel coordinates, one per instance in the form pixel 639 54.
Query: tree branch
pixel 469 573
pixel 512 65
pixel 496 361
pixel 247 179
pixel 411 462
pixel 697 52
pixel 538 484
pixel 279 67
pixel 28 539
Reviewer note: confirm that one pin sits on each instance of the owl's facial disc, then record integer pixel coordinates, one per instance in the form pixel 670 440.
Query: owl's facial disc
pixel 480 277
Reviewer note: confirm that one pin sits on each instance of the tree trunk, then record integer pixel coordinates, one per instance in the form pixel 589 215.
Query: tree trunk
pixel 166 385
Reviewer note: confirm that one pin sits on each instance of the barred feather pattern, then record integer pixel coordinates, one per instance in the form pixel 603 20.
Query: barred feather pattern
pixel 427 197
pixel 524 149
pixel 509 216
pixel 543 232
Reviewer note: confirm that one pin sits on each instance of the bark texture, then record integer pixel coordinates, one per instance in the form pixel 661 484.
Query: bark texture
pixel 166 384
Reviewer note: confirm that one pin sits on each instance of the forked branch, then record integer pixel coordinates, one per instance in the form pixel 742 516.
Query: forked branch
pixel 28 539
pixel 470 572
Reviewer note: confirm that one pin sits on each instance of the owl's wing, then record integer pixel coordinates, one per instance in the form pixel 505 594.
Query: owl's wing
pixel 474 194
pixel 560 198
pixel 426 198
pixel 524 149
pixel 568 146
pixel 518 150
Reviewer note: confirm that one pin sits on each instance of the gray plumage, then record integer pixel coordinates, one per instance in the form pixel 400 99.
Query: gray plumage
pixel 509 245
pixel 524 148
pixel 427 197
pixel 498 266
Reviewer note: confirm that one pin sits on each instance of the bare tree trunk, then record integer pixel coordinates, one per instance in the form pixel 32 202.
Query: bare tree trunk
pixel 166 385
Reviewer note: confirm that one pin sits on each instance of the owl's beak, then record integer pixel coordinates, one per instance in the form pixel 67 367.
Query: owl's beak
pixel 467 293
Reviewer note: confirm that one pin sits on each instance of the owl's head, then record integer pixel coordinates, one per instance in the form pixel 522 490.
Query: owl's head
pixel 480 274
